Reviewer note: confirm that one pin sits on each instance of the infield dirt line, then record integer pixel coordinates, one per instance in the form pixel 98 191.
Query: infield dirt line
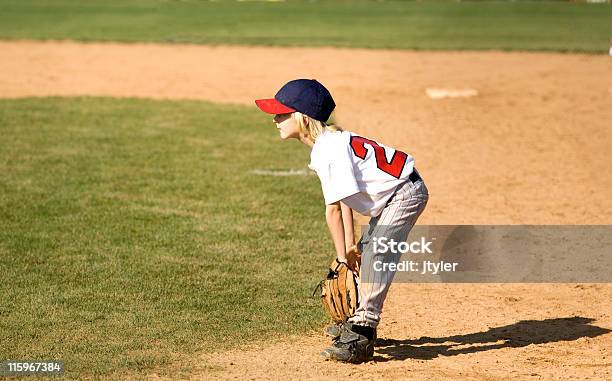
pixel 532 147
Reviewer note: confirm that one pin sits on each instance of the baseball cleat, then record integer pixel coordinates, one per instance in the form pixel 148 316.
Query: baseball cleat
pixel 354 345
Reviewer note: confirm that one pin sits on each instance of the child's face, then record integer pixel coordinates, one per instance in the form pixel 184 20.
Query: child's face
pixel 287 126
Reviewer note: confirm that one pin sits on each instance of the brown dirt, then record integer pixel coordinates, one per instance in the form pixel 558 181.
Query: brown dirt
pixel 532 148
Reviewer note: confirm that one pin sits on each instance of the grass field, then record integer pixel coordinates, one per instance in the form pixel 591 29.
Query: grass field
pixel 549 26
pixel 133 234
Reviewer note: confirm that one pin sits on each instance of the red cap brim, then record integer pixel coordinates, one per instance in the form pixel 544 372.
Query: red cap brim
pixel 272 106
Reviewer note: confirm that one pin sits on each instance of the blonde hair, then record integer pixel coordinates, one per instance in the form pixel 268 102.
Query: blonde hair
pixel 310 128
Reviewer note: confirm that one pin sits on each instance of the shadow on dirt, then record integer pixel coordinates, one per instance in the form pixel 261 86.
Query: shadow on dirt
pixel 515 335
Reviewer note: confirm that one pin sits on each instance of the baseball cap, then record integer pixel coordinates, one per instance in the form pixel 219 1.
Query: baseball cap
pixel 304 95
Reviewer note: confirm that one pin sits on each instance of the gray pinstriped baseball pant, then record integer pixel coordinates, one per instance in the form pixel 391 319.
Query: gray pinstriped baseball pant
pixel 395 222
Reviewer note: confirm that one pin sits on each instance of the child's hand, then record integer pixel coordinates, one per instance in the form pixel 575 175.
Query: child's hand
pixel 353 259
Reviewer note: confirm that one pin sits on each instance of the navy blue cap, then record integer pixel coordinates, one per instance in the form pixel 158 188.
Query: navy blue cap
pixel 307 96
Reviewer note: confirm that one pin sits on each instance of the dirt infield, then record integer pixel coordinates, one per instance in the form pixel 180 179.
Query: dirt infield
pixel 533 147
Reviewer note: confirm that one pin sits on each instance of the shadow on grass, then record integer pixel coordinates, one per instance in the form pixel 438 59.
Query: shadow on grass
pixel 515 335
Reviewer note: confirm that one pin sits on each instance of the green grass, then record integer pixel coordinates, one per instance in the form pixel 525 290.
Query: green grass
pixel 549 26
pixel 133 234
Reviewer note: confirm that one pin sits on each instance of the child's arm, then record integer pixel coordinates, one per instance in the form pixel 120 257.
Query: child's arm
pixel 333 216
pixel 347 221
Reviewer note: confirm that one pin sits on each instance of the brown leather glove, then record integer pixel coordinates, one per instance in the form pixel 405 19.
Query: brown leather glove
pixel 339 292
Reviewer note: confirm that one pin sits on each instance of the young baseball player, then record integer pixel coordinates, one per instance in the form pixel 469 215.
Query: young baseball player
pixel 358 174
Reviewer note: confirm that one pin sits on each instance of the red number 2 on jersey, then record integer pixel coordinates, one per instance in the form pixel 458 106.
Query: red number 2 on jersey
pixel 394 168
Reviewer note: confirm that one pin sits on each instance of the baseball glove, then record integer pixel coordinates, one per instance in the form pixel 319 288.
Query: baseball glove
pixel 339 292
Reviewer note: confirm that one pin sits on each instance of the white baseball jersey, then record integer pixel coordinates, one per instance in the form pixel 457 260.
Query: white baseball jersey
pixel 358 171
